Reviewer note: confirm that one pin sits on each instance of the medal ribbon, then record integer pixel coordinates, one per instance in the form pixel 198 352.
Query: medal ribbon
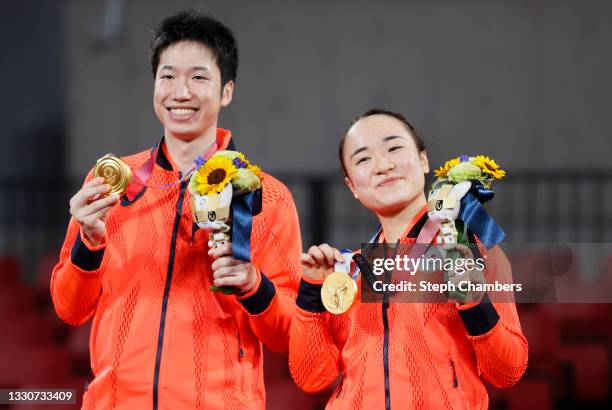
pixel 244 207
pixel 142 174
pixel 477 219
pixel 346 265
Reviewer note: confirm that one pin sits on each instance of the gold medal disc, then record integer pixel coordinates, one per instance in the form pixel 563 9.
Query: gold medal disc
pixel 115 172
pixel 338 292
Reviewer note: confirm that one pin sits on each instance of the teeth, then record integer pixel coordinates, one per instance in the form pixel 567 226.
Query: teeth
pixel 182 111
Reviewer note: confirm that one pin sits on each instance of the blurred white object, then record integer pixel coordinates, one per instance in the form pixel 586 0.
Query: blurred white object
pixel 212 213
pixel 444 206
pixel 445 202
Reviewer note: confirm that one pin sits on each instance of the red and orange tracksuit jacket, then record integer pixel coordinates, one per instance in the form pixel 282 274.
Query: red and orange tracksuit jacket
pixel 409 355
pixel 160 338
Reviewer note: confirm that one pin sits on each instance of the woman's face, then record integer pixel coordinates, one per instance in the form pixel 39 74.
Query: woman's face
pixel 385 169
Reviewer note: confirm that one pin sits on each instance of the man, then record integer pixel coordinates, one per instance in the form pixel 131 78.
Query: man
pixel 139 266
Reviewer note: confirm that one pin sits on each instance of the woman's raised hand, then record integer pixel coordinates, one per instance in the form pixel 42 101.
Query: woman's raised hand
pixel 319 261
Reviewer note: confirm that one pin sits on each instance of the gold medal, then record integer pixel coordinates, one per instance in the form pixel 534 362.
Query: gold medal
pixel 115 172
pixel 338 292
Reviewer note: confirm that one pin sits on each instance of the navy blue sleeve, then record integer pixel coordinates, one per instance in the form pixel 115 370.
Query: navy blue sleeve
pixel 85 258
pixel 309 297
pixel 481 318
pixel 261 299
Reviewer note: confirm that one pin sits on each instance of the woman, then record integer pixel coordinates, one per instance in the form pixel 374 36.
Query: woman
pixel 410 355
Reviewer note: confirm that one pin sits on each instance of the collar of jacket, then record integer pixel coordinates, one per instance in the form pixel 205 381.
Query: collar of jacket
pixel 158 156
pixel 224 141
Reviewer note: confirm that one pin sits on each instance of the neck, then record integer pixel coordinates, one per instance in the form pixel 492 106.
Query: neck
pixel 183 152
pixel 394 225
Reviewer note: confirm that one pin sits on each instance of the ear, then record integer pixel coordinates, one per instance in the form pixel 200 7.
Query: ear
pixel 424 162
pixel 349 184
pixel 227 93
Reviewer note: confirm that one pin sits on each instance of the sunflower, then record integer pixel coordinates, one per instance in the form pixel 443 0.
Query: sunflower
pixel 489 166
pixel 442 171
pixel 214 175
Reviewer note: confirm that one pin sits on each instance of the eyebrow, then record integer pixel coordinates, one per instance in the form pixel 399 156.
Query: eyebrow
pixel 386 139
pixel 194 68
pixel 199 68
pixel 391 137
pixel 358 150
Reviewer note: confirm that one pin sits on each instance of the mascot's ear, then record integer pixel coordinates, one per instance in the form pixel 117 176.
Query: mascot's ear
pixel 459 190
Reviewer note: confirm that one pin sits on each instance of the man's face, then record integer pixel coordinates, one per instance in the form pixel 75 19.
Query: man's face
pixel 188 92
pixel 384 167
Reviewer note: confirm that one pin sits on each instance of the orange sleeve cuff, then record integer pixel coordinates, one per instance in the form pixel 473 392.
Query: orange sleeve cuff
pixel 466 306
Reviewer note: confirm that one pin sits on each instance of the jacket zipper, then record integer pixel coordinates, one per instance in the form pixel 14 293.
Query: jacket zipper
pixel 340 385
pixel 385 308
pixel 385 317
pixel 240 364
pixel 162 320
pixel 455 379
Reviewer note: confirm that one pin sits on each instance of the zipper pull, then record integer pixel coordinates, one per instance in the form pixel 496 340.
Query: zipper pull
pixel 240 349
pixel 455 379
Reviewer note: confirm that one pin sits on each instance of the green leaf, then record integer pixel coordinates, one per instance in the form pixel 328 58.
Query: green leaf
pixel 228 290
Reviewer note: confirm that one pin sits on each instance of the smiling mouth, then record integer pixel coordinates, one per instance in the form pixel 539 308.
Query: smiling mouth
pixel 181 111
pixel 387 182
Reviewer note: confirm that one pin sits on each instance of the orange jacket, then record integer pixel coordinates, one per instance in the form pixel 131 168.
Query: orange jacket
pixel 160 338
pixel 408 355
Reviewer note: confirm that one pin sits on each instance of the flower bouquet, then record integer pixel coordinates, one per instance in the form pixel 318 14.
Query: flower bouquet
pixel 226 189
pixel 455 207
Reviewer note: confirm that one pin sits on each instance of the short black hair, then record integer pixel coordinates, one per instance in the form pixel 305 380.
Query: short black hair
pixel 418 141
pixel 193 26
